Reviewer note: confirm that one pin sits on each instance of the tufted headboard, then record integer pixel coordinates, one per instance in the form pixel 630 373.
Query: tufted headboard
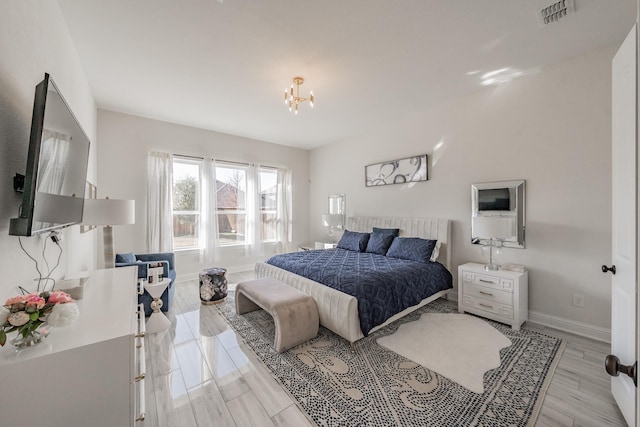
pixel 427 228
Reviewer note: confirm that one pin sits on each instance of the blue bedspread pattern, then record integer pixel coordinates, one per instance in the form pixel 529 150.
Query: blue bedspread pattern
pixel 382 285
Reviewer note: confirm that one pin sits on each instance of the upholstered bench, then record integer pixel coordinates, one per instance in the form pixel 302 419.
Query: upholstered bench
pixel 294 313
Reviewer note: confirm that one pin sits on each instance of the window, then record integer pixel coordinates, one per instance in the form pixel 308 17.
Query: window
pixel 218 203
pixel 268 204
pixel 186 203
pixel 231 203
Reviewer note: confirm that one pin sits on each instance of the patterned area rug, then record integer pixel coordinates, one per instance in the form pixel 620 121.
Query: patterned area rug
pixel 377 387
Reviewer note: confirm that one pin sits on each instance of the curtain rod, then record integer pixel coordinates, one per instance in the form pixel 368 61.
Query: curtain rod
pixel 228 162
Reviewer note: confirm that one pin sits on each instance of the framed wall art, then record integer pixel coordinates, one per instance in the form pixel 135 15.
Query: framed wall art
pixel 402 171
pixel 90 192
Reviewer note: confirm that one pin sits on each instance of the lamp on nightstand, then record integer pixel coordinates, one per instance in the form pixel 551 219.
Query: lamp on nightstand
pixel 331 221
pixel 494 228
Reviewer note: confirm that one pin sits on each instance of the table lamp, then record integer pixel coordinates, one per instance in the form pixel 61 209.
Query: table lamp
pixel 492 228
pixel 332 221
pixel 109 212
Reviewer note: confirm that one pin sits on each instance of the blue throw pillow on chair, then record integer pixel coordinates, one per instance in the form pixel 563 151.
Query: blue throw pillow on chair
pixel 124 258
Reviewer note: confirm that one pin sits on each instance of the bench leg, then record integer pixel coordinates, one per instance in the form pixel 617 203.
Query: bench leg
pixel 244 304
pixel 295 323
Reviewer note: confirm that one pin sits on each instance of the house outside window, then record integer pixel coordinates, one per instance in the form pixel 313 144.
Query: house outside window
pixel 268 204
pixel 231 203
pixel 186 203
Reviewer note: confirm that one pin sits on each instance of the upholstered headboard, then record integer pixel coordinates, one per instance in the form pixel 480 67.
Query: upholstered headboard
pixel 427 228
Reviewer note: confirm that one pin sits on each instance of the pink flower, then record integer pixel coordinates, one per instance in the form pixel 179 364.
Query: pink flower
pixel 59 297
pixel 34 300
pixel 16 300
pixel 18 318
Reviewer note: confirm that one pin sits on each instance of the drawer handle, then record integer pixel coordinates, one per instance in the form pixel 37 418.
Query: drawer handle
pixel 140 335
pixel 141 417
pixel 487 281
pixel 485 305
pixel 486 293
pixel 140 377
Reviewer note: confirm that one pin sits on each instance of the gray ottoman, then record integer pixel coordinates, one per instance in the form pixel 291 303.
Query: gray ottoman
pixel 294 313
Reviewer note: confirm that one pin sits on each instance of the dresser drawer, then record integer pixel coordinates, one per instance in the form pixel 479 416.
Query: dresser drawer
pixel 488 281
pixel 502 310
pixel 487 293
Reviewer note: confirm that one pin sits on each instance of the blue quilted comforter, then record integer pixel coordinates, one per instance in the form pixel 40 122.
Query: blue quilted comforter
pixel 383 286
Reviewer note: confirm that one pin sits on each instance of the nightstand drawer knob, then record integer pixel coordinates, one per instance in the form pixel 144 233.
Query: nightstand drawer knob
pixel 486 293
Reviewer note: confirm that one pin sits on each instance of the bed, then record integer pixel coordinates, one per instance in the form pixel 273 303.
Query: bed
pixel 338 311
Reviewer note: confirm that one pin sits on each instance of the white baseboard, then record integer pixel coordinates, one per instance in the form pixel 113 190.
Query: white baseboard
pixel 194 276
pixel 562 324
pixel 578 328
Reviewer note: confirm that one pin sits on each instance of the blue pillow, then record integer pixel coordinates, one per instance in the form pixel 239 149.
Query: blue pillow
pixel 353 241
pixel 411 248
pixel 393 231
pixel 122 258
pixel 379 243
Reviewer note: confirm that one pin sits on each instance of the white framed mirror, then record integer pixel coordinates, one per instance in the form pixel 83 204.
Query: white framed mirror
pixel 337 210
pixel 498 212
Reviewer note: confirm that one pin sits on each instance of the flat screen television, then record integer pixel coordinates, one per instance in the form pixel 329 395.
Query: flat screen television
pixel 57 162
pixel 494 199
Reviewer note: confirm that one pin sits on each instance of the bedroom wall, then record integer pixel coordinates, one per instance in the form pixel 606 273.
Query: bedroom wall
pixel 122 168
pixel 33 40
pixel 552 128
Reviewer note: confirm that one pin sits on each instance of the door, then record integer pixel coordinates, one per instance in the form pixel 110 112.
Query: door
pixel 624 231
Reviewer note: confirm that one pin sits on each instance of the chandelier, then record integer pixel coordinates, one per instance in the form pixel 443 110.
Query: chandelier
pixel 294 99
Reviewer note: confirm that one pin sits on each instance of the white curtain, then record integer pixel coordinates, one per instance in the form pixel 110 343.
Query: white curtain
pixel 209 242
pixel 253 223
pixel 159 206
pixel 284 228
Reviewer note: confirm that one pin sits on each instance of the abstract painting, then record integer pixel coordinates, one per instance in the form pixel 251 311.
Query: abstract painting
pixel 411 169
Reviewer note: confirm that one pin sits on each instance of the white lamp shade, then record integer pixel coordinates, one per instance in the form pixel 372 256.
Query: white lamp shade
pixel 109 212
pixel 331 220
pixel 496 227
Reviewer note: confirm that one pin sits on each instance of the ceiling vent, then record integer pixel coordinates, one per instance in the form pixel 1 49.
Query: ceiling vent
pixel 555 11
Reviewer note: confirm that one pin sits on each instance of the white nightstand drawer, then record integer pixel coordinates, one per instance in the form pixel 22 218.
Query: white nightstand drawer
pixel 494 282
pixel 491 294
pixel 492 307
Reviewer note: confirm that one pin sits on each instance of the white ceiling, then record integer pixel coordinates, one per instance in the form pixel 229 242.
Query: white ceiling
pixel 223 64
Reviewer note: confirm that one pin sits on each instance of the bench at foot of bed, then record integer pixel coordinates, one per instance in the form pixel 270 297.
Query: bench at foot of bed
pixel 294 313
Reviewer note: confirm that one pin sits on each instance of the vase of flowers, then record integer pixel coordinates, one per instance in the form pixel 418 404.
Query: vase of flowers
pixel 33 315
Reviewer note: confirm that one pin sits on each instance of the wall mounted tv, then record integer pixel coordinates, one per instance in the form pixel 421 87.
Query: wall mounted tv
pixel 57 162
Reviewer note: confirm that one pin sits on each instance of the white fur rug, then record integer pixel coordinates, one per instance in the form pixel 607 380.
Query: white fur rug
pixel 457 346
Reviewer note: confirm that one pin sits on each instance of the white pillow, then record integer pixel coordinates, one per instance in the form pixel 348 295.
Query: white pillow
pixel 435 253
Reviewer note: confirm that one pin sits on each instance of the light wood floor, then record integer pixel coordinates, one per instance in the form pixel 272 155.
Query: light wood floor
pixel 199 373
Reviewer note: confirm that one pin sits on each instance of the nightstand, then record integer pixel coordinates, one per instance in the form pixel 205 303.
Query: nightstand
pixel 316 245
pixel 498 295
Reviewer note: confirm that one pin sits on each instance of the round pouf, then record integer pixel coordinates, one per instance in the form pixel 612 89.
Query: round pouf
pixel 213 285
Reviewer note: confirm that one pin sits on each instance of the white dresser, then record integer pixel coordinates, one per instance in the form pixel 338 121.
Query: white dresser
pixel 83 374
pixel 499 295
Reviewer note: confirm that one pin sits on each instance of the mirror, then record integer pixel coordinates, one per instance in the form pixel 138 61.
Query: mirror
pixel 337 206
pixel 498 212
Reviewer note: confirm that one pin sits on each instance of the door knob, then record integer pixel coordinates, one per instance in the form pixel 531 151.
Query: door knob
pixel 611 269
pixel 614 367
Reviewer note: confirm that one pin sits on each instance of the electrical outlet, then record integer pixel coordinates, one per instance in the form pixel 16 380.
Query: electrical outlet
pixel 578 300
